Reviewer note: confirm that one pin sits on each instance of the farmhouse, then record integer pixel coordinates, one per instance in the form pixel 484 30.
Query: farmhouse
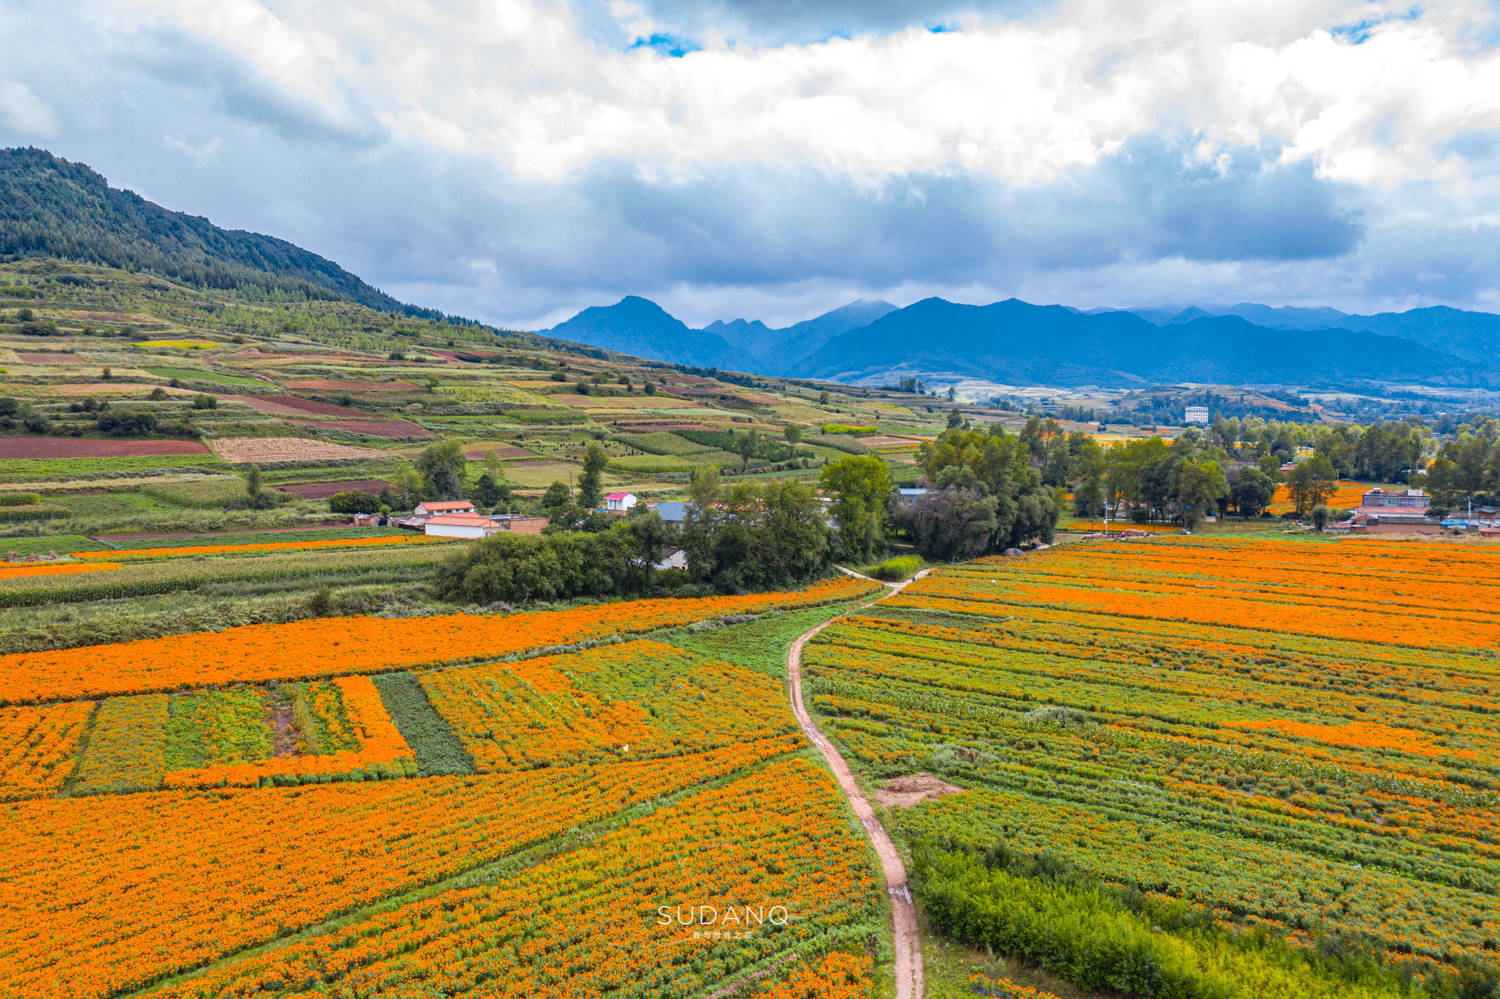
pixel 1377 500
pixel 671 558
pixel 671 511
pixel 619 502
pixel 432 508
pixel 461 525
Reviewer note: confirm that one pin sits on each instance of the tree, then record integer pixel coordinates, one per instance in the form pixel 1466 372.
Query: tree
pixel 493 465
pixel 649 388
pixel 823 398
pixel 952 523
pixel 353 501
pixel 442 468
pixel 860 487
pixel 745 445
pixel 489 494
pixel 793 434
pixel 1311 483
pixel 1320 516
pixel 1252 491
pixel 255 491
pixel 557 496
pixel 700 522
pixel 1200 486
pixel 591 482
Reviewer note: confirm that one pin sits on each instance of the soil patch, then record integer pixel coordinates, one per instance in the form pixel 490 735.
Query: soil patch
pixel 46 358
pixel 285 736
pixel 88 447
pixel 290 405
pixel 904 792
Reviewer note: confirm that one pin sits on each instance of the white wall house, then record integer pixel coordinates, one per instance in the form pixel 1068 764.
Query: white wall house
pixel 434 507
pixel 619 502
pixel 671 558
pixel 461 525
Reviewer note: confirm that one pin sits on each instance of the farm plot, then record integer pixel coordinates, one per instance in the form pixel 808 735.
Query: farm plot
pixel 327 647
pixel 1287 735
pixel 330 385
pixel 290 405
pixel 369 428
pixel 323 490
pixel 242 450
pixel 566 843
pixel 88 447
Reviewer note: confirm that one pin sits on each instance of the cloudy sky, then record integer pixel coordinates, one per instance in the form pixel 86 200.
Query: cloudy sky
pixel 517 160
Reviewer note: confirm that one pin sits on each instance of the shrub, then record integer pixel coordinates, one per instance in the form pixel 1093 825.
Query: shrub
pixel 848 428
pixel 896 568
pixel 354 501
pixel 20 499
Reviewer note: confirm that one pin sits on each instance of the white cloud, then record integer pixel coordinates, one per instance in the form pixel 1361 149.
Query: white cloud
pixel 1103 146
pixel 23 111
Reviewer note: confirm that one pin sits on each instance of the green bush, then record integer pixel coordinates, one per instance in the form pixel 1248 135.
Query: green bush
pixel 1088 935
pixel 848 428
pixel 437 749
pixel 20 499
pixel 16 514
pixel 896 568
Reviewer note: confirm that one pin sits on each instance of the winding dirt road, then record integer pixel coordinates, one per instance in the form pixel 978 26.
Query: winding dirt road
pixel 908 939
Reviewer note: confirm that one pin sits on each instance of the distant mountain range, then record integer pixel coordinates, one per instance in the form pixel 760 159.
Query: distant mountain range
pixel 51 207
pixel 1014 342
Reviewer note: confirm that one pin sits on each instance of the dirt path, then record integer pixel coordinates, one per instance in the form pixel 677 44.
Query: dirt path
pixel 908 939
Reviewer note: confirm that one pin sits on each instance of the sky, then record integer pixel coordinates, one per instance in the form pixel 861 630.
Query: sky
pixel 519 160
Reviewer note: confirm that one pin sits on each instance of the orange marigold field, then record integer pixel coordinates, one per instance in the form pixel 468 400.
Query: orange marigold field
pixel 628 701
pixel 1346 496
pixel 348 645
pixel 57 568
pixel 109 893
pixel 774 847
pixel 269 546
pixel 1291 734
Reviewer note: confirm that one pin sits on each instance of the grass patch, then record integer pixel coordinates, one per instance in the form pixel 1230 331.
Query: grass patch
pixel 27 468
pixel 60 543
pixel 760 644
pixel 437 749
pixel 200 375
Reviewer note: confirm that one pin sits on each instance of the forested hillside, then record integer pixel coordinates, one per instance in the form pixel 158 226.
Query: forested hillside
pixel 51 207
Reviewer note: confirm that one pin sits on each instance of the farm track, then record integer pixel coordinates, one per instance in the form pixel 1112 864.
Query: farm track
pixel 907 935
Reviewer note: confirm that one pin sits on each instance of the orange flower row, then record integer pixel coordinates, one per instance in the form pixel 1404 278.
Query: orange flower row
pixel 270 546
pixel 37 745
pixel 56 568
pixel 632 700
pixel 335 646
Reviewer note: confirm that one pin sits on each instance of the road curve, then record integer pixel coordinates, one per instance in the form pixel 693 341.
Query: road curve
pixel 908 939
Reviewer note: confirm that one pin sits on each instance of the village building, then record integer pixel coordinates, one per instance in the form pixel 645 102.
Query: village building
pixel 619 502
pixel 461 525
pixel 671 511
pixel 671 558
pixel 432 508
